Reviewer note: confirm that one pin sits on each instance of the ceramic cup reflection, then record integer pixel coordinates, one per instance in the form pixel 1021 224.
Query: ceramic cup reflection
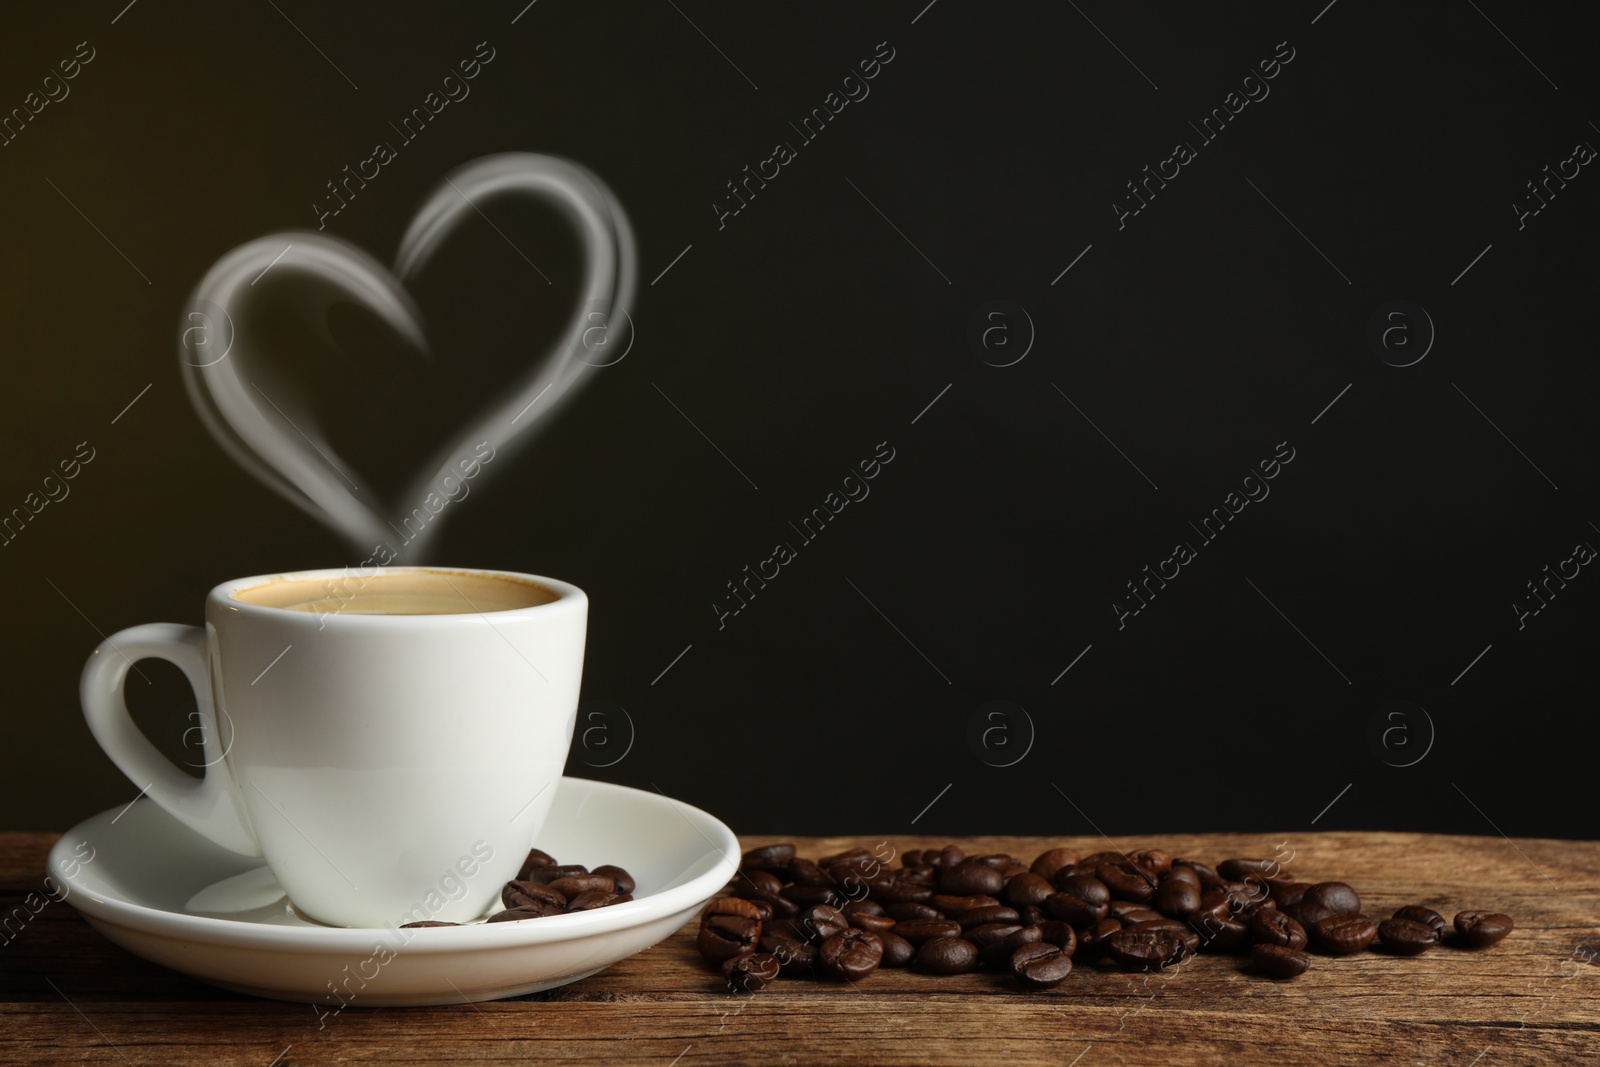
pixel 389 767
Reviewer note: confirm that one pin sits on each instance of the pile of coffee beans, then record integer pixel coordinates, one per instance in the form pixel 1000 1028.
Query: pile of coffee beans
pixel 544 887
pixel 944 912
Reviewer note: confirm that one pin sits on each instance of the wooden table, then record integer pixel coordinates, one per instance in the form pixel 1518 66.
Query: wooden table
pixel 68 996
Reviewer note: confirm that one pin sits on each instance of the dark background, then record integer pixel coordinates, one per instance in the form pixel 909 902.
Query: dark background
pixel 854 692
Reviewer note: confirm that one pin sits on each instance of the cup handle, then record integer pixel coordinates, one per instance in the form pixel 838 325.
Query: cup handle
pixel 209 806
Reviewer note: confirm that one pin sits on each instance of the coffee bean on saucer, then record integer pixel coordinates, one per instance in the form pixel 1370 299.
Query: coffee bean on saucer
pixel 897 951
pixel 947 955
pixel 1407 937
pixel 1279 961
pixel 751 973
pixel 774 858
pixel 426 922
pixel 573 885
pixel 722 937
pixel 596 898
pixel 547 875
pixel 851 955
pixel 620 878
pixel 1343 934
pixel 1480 929
pixel 1337 897
pixel 1419 914
pixel 536 859
pixel 1273 927
pixel 1040 965
pixel 522 894
pixel 532 911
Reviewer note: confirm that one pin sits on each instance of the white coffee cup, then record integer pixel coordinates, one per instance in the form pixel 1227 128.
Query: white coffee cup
pixel 390 750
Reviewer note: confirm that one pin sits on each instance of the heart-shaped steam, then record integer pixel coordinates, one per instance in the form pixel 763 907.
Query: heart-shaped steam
pixel 292 456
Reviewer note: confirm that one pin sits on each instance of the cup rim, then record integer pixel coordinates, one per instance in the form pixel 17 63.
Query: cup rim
pixel 223 596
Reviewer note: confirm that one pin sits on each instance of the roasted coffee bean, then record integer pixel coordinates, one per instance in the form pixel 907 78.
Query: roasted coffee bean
pixel 1027 888
pixel 972 878
pixel 862 907
pixel 521 894
pixel 756 885
pixel 988 934
pixel 1050 863
pixel 1280 961
pixel 775 858
pixel 530 911
pixel 1343 934
pixel 1237 870
pixel 1031 915
pixel 1127 912
pixel 1088 891
pixel 819 922
pixel 1095 859
pixel 921 874
pixel 877 924
pixel 998 953
pixel 1153 861
pixel 1221 935
pixel 951 906
pixel 426 922
pixel 1177 897
pixel 1207 876
pixel 596 898
pixel 1337 897
pixel 897 951
pixel 619 877
pixel 583 883
pixel 993 913
pixel 850 856
pixel 1040 965
pixel 536 859
pixel 1145 949
pixel 1286 893
pixel 1273 927
pixel 904 912
pixel 902 892
pixel 794 954
pixel 917 931
pixel 998 860
pixel 1305 912
pixel 1126 881
pixel 1068 908
pixel 946 858
pixel 1092 939
pixel 751 973
pixel 947 955
pixel 851 955
pixel 1181 930
pixel 1059 934
pixel 804 872
pixel 1426 916
pixel 549 874
pixel 722 937
pixel 803 896
pixel 734 906
pixel 1480 929
pixel 1182 872
pixel 913 857
pixel 1407 937
pixel 1215 901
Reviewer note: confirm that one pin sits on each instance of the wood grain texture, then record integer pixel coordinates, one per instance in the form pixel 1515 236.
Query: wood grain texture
pixel 68 996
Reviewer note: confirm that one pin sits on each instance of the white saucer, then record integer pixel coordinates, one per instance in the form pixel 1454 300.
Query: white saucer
pixel 163 892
